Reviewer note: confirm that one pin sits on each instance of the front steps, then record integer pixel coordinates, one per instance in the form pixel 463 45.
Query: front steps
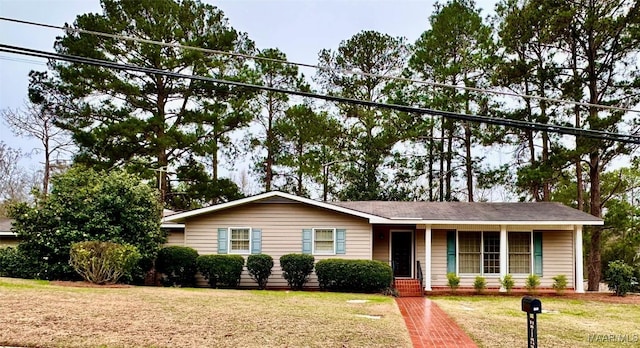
pixel 408 287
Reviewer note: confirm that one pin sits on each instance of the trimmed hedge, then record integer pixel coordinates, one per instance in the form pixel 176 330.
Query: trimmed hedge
pixel 259 267
pixel 177 265
pixel 353 275
pixel 221 270
pixel 296 269
pixel 103 262
pixel 16 264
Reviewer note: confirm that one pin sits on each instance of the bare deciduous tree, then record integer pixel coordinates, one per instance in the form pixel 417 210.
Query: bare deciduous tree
pixel 37 121
pixel 14 181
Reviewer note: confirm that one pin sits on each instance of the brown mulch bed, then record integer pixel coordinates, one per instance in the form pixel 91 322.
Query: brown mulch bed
pixel 606 297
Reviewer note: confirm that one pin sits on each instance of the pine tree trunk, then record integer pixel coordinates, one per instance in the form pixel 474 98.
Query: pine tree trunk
pixel 595 265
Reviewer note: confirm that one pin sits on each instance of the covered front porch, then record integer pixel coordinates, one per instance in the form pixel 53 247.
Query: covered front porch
pixel 429 252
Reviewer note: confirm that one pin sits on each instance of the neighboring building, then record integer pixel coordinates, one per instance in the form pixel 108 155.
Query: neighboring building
pixel 430 238
pixel 7 237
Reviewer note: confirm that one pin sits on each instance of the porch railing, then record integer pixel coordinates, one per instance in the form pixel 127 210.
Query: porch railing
pixel 420 275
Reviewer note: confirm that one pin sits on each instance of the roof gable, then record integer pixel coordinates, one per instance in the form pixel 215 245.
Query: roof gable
pixel 272 197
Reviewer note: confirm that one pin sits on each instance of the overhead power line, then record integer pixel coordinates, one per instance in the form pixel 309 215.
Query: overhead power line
pixel 68 29
pixel 625 138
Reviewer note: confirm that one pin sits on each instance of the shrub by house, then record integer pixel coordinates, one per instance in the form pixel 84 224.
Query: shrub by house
pixel 353 275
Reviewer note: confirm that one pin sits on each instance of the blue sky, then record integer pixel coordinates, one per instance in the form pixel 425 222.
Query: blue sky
pixel 298 28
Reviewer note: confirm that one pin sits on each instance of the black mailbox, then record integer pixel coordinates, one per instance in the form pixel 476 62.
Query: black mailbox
pixel 531 305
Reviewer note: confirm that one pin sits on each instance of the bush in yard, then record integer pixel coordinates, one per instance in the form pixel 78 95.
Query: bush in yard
pixel 87 205
pixel 259 267
pixel 560 283
pixel 507 282
pixel 353 275
pixel 620 277
pixel 102 262
pixel 221 270
pixel 532 283
pixel 480 284
pixel 296 269
pixel 15 264
pixel 453 281
pixel 177 265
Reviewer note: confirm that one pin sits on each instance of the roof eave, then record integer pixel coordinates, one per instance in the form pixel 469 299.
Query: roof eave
pixel 496 222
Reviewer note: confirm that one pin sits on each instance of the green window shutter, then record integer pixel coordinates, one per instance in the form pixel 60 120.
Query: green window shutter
pixel 341 239
pixel 537 253
pixel 451 252
pixel 307 235
pixel 223 243
pixel 256 241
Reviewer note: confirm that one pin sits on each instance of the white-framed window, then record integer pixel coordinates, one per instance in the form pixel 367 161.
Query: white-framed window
pixel 239 240
pixel 479 252
pixel 520 246
pixel 469 246
pixel 324 241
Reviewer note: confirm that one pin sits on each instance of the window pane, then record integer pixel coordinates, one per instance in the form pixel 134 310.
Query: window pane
pixel 323 242
pixel 520 252
pixel 239 245
pixel 469 243
pixel 491 256
pixel 240 234
pixel 324 235
pixel 470 263
pixel 240 239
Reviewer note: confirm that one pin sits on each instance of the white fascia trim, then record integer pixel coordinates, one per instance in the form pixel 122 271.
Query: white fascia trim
pixel 8 233
pixel 491 222
pixel 181 216
pixel 171 225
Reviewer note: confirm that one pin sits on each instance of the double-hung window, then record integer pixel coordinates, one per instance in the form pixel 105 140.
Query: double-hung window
pixel 519 252
pixel 479 252
pixel 239 240
pixel 324 240
pixel 469 243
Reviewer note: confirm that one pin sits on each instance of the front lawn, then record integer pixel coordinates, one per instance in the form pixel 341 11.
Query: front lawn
pixel 496 321
pixel 39 313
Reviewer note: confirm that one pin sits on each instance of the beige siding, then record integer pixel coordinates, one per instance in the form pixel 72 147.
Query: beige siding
pixel 438 258
pixel 419 248
pixel 175 237
pixel 558 257
pixel 381 245
pixel 281 225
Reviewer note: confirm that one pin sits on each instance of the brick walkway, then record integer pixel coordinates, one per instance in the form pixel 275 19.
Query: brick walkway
pixel 430 326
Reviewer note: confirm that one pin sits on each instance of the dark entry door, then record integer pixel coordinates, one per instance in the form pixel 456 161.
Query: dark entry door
pixel 401 252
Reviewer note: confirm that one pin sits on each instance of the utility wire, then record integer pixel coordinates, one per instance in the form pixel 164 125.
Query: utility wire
pixel 595 134
pixel 69 30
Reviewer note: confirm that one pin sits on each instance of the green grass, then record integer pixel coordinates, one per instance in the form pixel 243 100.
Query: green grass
pixel 495 321
pixel 43 314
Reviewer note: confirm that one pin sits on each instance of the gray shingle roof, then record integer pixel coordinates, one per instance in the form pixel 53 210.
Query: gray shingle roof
pixel 477 211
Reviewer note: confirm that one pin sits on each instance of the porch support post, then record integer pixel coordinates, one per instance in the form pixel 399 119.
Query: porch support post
pixel 579 281
pixel 503 255
pixel 427 258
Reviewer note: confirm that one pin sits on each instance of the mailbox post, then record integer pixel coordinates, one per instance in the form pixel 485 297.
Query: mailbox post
pixel 532 306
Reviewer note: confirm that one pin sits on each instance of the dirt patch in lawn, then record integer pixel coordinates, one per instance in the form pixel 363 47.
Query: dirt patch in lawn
pixel 83 284
pixel 73 314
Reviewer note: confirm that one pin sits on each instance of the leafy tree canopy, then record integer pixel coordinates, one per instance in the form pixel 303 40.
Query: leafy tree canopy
pixel 87 205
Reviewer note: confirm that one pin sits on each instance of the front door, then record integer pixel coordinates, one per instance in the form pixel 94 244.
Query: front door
pixel 402 253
